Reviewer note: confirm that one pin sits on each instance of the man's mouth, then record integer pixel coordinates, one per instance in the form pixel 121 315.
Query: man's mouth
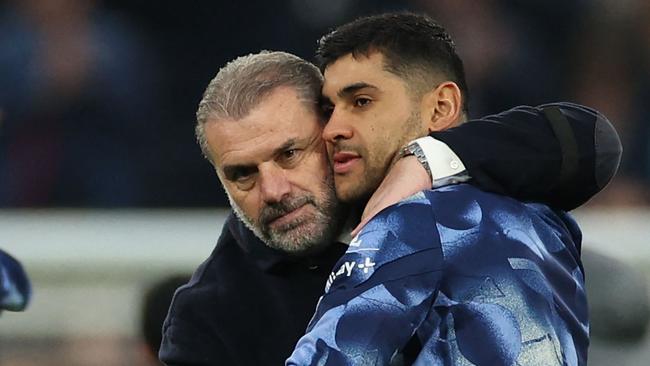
pixel 343 162
pixel 286 218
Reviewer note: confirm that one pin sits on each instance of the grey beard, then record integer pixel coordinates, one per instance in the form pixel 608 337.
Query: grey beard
pixel 291 240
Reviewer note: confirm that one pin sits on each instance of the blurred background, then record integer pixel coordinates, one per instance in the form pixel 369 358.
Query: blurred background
pixel 104 193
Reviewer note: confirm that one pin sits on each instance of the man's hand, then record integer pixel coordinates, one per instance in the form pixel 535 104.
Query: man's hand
pixel 405 178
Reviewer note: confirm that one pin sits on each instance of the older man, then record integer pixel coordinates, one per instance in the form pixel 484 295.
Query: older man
pixel 260 125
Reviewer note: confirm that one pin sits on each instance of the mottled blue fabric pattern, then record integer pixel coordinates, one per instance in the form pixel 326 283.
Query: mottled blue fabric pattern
pixel 476 278
pixel 15 289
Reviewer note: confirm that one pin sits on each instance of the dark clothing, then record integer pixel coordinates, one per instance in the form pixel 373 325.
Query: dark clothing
pixel 249 305
pixel 246 305
pixel 560 154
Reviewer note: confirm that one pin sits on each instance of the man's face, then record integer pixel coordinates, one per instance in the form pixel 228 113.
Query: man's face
pixel 372 116
pixel 273 165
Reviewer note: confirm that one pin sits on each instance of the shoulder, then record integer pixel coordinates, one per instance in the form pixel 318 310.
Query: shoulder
pixel 465 205
pixel 400 241
pixel 191 331
pixel 200 300
pixel 467 217
pixel 403 219
pixel 459 206
pixel 416 217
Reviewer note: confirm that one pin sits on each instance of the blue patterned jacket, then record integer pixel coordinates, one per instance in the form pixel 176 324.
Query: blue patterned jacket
pixel 15 289
pixel 473 277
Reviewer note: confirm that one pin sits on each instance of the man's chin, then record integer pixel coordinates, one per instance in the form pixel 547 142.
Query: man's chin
pixel 297 238
pixel 350 191
pixel 302 249
pixel 308 250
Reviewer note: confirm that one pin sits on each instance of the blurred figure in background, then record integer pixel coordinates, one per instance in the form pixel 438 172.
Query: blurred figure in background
pixel 511 56
pixel 596 54
pixel 74 98
pixel 610 70
pixel 72 121
pixel 157 299
pixel 618 298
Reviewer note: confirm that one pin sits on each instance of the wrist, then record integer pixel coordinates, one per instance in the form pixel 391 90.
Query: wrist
pixel 414 151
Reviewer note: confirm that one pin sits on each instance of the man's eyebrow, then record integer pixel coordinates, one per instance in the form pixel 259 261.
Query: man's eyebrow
pixel 352 88
pixel 230 171
pixel 286 146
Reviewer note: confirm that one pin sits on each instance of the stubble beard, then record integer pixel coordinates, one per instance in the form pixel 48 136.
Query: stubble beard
pixel 359 192
pixel 307 234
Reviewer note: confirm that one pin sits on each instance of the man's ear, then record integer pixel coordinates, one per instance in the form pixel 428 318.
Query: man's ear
pixel 442 107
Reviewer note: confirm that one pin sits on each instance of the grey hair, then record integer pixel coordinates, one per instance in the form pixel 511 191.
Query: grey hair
pixel 245 81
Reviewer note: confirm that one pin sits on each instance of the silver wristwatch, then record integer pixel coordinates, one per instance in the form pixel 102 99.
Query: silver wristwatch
pixel 414 148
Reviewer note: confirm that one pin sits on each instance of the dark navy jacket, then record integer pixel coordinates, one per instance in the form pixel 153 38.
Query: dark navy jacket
pixel 246 304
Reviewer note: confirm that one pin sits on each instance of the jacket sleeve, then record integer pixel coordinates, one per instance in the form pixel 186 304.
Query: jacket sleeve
pixel 189 334
pixel 560 154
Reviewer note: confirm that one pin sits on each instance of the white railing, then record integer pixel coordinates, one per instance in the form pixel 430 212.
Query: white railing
pixel 89 268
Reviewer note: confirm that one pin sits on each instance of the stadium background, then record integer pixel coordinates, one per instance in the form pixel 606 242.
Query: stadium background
pixel 103 189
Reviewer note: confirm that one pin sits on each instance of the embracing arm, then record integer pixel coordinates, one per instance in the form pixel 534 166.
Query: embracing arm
pixel 560 154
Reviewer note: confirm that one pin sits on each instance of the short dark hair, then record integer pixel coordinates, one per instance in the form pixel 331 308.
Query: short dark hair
pixel 414 45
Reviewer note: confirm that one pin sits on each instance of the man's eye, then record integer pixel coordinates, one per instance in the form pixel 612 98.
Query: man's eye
pixel 362 101
pixel 289 154
pixel 244 182
pixel 242 175
pixel 289 157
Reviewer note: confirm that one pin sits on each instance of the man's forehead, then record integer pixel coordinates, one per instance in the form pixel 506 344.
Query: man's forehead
pixel 354 71
pixel 237 143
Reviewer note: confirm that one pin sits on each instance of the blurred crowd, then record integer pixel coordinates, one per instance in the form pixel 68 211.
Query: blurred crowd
pixel 97 99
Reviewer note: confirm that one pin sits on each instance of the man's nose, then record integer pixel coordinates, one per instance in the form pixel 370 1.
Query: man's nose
pixel 337 127
pixel 274 184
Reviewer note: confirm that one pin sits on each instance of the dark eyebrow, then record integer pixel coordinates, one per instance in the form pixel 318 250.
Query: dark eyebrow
pixel 286 146
pixel 352 88
pixel 231 171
